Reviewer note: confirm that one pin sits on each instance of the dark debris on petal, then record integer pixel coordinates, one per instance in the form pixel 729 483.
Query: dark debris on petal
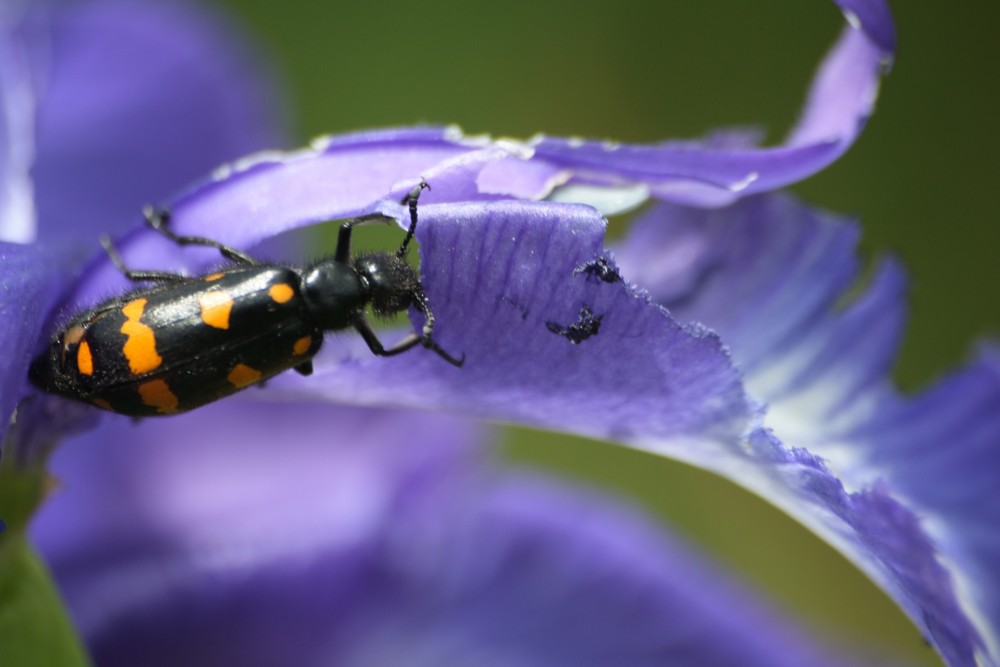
pixel 496 275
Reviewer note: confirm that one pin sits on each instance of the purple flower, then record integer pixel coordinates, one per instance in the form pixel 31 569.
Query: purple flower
pixel 390 552
pixel 370 537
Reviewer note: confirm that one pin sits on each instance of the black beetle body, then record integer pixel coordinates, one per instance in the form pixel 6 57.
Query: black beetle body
pixel 186 342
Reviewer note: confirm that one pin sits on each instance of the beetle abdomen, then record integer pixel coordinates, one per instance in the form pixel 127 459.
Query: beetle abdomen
pixel 176 347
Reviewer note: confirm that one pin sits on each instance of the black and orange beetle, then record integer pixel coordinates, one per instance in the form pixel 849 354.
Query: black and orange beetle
pixel 189 341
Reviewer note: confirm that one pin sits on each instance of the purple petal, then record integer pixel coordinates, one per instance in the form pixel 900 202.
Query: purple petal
pixel 340 177
pixel 239 473
pixel 17 110
pixel 874 18
pixel 840 101
pixel 906 486
pixel 31 279
pixel 497 276
pixel 516 576
pixel 261 195
pixel 137 101
pixel 370 537
pixel 943 450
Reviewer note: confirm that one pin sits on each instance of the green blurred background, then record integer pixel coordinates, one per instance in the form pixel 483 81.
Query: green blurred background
pixel 642 70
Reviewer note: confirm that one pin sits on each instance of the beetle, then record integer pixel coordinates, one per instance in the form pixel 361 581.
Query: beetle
pixel 188 341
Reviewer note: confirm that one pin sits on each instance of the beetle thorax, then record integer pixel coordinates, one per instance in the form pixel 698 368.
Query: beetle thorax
pixel 333 293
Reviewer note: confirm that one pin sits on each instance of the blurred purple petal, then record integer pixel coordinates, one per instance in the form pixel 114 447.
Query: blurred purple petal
pixel 906 486
pixel 239 474
pixel 368 538
pixel 874 18
pixel 840 101
pixel 31 278
pixel 515 577
pixel 843 83
pixel 134 102
pixel 942 450
pixel 17 126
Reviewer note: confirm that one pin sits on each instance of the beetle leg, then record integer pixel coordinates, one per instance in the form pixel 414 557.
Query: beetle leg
pixel 137 276
pixel 305 368
pixel 158 219
pixel 343 252
pixel 420 301
pixel 363 327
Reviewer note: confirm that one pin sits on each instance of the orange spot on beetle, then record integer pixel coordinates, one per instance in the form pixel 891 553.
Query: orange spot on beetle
pixel 242 375
pixel 282 293
pixel 215 309
pixel 102 404
pixel 140 347
pixel 157 394
pixel 84 359
pixel 214 276
pixel 302 345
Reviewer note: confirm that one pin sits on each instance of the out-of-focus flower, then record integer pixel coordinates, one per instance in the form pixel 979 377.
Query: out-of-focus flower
pixel 506 273
pixel 266 534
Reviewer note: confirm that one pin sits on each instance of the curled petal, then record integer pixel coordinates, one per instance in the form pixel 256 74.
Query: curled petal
pixel 942 450
pixel 259 196
pixel 905 486
pixel 873 17
pixel 841 99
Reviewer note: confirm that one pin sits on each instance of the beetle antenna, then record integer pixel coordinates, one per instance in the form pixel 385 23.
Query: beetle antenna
pixel 411 199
